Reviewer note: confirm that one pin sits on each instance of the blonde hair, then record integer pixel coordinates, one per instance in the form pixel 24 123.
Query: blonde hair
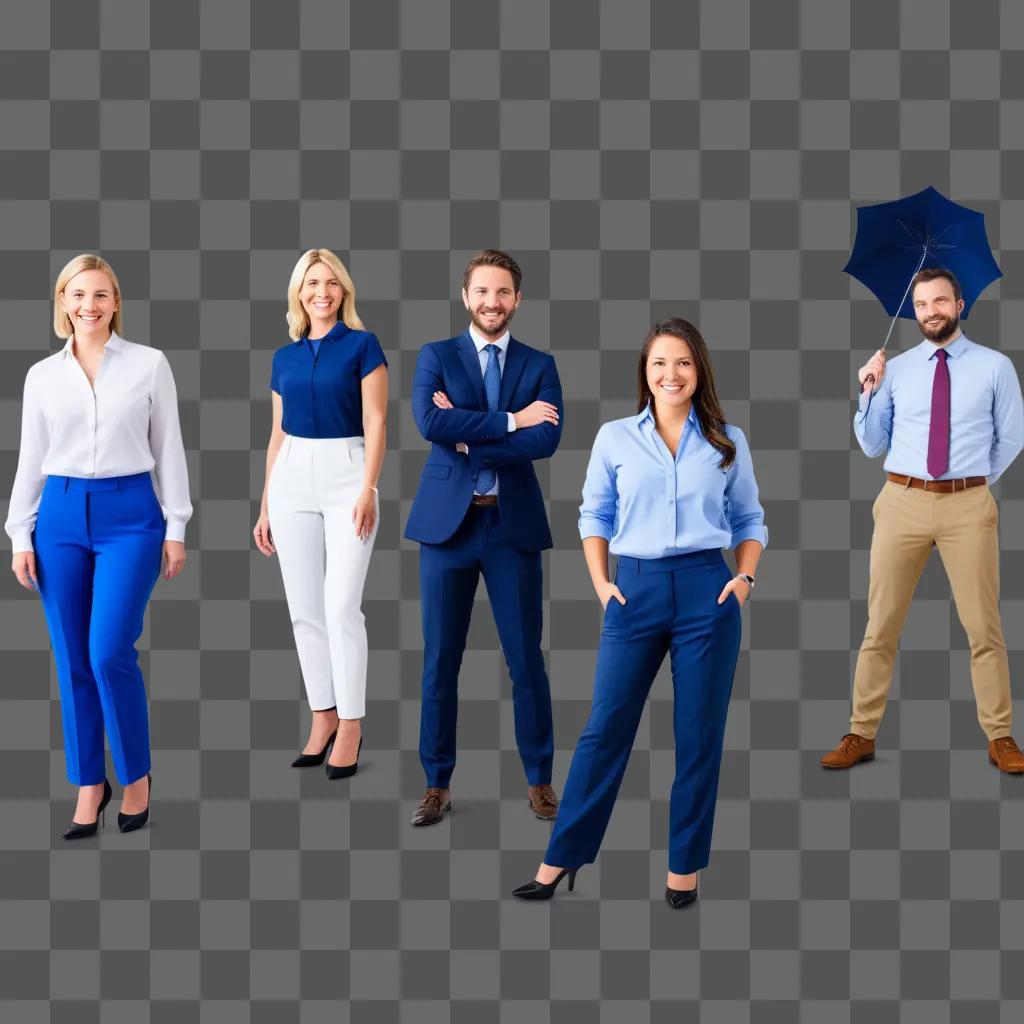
pixel 298 320
pixel 62 326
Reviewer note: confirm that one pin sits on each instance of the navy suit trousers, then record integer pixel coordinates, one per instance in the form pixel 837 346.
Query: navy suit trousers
pixel 449 573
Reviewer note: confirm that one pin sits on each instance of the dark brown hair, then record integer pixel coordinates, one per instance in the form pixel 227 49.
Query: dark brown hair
pixel 493 258
pixel 705 398
pixel 931 274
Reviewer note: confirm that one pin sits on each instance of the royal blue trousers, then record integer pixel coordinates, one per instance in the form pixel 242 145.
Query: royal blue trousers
pixel 449 574
pixel 671 608
pixel 98 545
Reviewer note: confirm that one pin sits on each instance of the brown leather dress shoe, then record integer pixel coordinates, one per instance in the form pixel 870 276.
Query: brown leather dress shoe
pixel 852 750
pixel 1006 755
pixel 432 808
pixel 543 802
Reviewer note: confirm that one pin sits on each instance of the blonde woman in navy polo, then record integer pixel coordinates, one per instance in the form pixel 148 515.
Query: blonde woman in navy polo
pixel 319 512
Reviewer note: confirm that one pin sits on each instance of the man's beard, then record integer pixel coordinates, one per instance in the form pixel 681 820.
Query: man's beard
pixel 495 331
pixel 942 332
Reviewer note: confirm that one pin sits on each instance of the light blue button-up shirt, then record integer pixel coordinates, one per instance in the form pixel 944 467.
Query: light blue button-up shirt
pixel 986 416
pixel 647 504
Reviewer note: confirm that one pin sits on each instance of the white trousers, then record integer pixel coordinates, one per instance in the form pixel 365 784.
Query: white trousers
pixel 314 485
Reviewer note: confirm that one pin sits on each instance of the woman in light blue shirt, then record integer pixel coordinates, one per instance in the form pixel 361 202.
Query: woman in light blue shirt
pixel 666 490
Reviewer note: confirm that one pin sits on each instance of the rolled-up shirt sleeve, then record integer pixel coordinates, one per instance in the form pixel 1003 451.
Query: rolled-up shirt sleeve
pixel 171 469
pixel 742 507
pixel 872 423
pixel 29 478
pixel 600 495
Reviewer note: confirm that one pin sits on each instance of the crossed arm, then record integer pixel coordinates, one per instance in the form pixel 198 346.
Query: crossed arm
pixel 491 444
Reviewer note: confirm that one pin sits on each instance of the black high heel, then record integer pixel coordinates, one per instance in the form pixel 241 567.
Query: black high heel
pixel 133 822
pixel 345 770
pixel 545 890
pixel 312 760
pixel 76 830
pixel 679 898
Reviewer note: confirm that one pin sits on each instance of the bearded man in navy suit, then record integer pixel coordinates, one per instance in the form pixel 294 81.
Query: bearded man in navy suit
pixel 490 406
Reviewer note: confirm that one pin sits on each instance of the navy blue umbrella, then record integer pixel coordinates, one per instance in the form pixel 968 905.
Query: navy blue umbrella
pixel 895 240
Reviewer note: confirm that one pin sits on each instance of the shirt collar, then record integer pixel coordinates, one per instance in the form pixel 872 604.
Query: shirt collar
pixel 954 348
pixel 481 342
pixel 647 413
pixel 115 343
pixel 339 329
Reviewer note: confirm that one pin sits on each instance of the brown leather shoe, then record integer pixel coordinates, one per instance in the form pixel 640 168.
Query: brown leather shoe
pixel 1006 755
pixel 851 751
pixel 433 807
pixel 543 802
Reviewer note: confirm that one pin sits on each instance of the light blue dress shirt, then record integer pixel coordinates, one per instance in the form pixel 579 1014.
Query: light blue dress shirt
pixel 647 504
pixel 481 343
pixel 986 416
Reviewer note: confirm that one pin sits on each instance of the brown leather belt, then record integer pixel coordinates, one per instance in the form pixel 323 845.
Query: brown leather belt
pixel 485 500
pixel 939 486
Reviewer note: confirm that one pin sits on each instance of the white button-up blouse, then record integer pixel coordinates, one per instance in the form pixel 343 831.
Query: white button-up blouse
pixel 125 423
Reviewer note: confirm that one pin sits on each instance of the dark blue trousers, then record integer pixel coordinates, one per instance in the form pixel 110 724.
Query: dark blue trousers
pixel 448 578
pixel 98 547
pixel 671 608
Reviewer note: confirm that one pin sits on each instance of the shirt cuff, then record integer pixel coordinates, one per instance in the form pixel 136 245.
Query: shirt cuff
pixel 21 540
pixel 175 530
pixel 511 421
pixel 594 528
pixel 756 531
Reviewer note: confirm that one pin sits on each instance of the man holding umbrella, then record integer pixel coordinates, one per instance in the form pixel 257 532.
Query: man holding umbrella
pixel 949 417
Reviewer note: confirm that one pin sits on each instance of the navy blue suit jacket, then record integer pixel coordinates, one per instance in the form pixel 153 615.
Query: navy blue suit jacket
pixel 449 477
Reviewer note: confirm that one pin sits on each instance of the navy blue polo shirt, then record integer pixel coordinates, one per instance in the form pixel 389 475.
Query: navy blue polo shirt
pixel 320 386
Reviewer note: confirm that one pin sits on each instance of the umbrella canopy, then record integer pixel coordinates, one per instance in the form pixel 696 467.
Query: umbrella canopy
pixel 895 240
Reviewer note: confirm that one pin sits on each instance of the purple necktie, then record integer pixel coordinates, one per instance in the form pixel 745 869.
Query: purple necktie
pixel 938 429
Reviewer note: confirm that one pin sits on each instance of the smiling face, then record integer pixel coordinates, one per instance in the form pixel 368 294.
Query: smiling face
pixel 321 294
pixel 491 299
pixel 671 373
pixel 937 310
pixel 90 299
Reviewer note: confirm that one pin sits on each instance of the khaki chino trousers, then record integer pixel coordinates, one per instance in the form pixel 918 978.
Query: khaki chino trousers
pixel 964 526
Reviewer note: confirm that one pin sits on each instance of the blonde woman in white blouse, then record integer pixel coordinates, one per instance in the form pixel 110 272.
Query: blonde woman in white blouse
pixel 92 533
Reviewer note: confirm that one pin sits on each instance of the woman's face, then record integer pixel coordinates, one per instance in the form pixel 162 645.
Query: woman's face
pixel 671 372
pixel 90 301
pixel 321 294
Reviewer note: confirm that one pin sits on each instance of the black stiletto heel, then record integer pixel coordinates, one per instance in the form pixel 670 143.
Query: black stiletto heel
pixel 76 830
pixel 545 890
pixel 679 898
pixel 133 822
pixel 312 760
pixel 345 770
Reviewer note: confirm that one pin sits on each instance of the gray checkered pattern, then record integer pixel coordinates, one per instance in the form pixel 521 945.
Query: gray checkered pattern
pixel 641 159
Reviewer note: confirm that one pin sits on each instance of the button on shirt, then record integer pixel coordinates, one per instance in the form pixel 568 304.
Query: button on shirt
pixel 481 344
pixel 124 423
pixel 647 504
pixel 321 386
pixel 986 416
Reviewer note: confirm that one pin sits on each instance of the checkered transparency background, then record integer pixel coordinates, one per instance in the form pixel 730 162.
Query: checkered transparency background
pixel 641 160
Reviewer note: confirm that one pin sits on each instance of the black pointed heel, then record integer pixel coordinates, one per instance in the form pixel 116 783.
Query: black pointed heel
pixel 679 898
pixel 312 760
pixel 545 890
pixel 78 831
pixel 345 770
pixel 133 822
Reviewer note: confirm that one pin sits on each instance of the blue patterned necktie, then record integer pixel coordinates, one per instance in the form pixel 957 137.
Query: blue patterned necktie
pixel 487 478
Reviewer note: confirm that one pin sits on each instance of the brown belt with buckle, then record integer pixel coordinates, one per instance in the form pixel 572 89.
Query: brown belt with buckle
pixel 485 500
pixel 939 486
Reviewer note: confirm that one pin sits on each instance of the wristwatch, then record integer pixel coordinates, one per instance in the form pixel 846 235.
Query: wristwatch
pixel 749 580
